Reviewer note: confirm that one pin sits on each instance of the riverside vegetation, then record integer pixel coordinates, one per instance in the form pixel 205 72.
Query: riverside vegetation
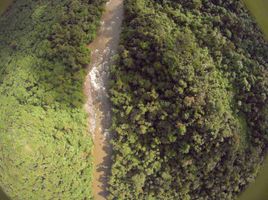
pixel 45 149
pixel 189 94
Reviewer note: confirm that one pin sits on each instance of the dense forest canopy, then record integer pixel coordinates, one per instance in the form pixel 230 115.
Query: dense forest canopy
pixel 189 94
pixel 45 149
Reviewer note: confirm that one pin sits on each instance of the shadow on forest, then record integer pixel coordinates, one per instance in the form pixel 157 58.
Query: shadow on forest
pixel 105 167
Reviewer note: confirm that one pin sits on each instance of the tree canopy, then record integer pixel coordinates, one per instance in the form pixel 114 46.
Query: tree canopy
pixel 189 95
pixel 45 147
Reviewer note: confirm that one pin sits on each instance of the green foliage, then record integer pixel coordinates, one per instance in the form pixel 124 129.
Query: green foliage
pixel 45 148
pixel 192 79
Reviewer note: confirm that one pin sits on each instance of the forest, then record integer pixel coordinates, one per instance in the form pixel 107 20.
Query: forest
pixel 45 147
pixel 188 90
pixel 189 96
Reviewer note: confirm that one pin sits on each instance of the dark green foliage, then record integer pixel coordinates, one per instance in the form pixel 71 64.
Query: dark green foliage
pixel 45 149
pixel 189 95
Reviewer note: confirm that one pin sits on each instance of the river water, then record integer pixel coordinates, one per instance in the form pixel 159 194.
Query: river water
pixel 103 48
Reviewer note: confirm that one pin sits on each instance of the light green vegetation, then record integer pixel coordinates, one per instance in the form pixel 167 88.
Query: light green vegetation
pixel 189 95
pixel 45 149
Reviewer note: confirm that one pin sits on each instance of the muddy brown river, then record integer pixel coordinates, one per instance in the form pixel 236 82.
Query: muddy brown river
pixel 103 48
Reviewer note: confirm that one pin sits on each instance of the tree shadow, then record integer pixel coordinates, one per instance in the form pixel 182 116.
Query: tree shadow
pixel 105 167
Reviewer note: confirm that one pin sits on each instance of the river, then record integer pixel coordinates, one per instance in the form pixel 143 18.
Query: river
pixel 103 48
